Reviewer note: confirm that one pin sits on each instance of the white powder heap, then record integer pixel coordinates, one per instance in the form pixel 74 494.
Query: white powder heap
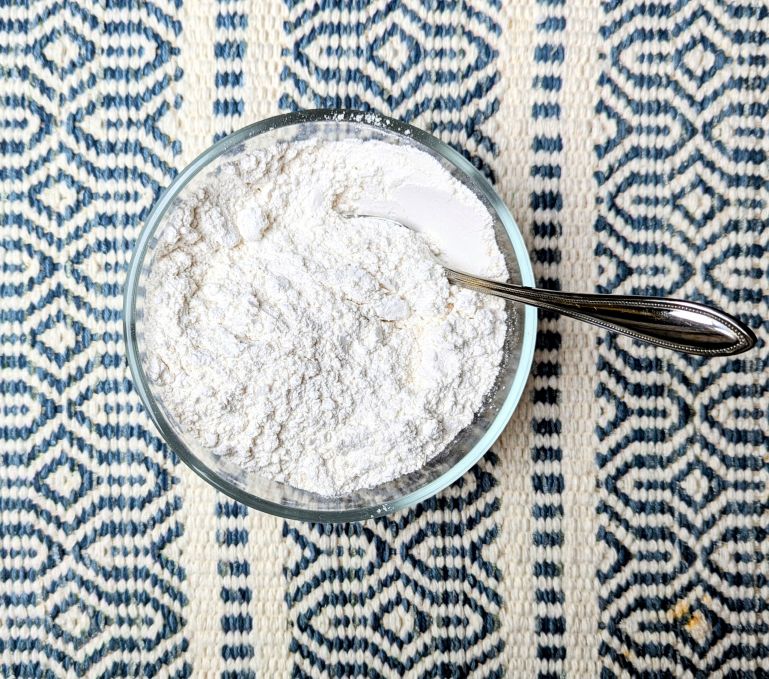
pixel 315 349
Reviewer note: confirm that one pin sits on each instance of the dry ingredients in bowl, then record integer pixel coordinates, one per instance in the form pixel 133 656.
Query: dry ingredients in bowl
pixel 316 349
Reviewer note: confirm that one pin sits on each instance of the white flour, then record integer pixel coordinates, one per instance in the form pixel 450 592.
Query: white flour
pixel 325 352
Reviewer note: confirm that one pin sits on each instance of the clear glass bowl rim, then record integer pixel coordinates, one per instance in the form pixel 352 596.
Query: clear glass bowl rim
pixel 155 218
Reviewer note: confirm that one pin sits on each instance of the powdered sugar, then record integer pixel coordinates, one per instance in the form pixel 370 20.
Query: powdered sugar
pixel 320 350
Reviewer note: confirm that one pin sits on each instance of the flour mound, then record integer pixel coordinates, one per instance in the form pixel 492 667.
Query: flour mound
pixel 315 349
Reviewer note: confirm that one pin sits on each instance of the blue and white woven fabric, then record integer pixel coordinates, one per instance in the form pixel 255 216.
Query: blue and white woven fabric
pixel 621 525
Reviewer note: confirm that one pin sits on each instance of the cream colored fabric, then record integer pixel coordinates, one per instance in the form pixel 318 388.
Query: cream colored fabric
pixel 619 524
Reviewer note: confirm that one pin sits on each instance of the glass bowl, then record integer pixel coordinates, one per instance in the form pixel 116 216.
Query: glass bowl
pixel 469 445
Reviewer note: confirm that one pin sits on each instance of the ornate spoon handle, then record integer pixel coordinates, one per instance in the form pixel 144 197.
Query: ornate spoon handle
pixel 670 323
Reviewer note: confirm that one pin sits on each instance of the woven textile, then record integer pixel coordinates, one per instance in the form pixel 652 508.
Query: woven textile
pixel 621 525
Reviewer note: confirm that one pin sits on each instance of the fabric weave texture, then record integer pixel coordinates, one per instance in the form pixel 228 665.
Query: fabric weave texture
pixel 620 527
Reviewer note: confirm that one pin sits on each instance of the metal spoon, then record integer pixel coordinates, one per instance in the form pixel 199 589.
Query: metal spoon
pixel 663 321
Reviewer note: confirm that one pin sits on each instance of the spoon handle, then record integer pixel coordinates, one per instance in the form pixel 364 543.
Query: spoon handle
pixel 671 323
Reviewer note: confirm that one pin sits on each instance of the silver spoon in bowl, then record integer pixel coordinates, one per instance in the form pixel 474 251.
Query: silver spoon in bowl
pixel 666 322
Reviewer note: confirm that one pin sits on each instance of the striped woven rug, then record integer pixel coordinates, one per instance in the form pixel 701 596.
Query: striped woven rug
pixel 621 525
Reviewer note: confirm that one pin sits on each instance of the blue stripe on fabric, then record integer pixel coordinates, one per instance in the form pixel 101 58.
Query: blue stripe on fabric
pixel 230 49
pixel 228 79
pixel 548 83
pixel 229 108
pixel 549 53
pixel 547 479
pixel 231 21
